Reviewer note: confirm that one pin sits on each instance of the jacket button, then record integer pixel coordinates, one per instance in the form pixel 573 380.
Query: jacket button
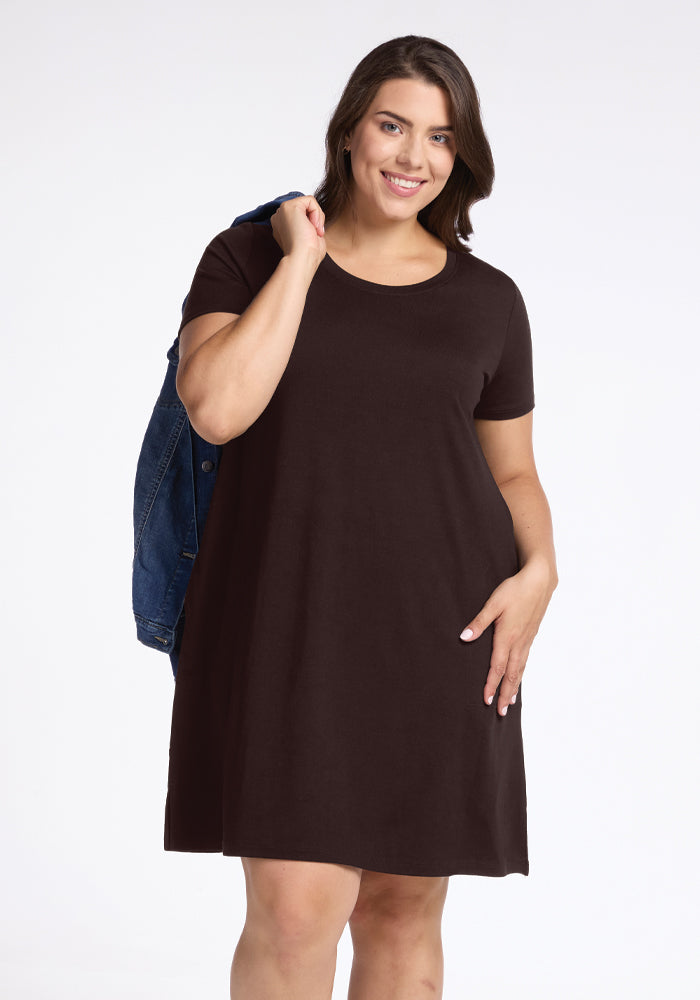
pixel 207 465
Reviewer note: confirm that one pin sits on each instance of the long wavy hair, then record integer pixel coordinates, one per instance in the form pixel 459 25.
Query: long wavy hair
pixel 419 58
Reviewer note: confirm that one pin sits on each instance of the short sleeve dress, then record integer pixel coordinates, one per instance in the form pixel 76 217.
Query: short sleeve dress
pixel 325 707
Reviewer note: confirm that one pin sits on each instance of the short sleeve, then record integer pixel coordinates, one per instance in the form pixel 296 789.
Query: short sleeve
pixel 219 283
pixel 509 392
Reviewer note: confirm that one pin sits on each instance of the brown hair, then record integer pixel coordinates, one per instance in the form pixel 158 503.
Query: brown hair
pixel 419 58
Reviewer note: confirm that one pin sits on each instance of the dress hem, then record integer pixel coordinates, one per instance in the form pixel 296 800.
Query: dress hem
pixel 518 866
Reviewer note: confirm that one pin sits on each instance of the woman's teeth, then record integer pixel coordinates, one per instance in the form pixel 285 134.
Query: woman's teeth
pixel 401 182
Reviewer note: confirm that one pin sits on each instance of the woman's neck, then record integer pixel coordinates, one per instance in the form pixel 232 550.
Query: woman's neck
pixel 403 239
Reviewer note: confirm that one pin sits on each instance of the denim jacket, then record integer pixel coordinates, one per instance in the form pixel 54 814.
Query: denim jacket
pixel 174 484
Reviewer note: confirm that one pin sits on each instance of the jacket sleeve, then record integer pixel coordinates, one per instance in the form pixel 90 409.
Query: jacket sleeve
pixel 220 283
pixel 510 390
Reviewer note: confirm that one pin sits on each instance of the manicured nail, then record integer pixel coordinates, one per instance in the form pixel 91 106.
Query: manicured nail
pixel 489 699
pixel 512 700
pixel 504 710
pixel 467 634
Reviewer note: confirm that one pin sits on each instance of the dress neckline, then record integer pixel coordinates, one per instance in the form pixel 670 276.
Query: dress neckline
pixel 374 286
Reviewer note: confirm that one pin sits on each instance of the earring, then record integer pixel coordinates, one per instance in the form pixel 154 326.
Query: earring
pixel 346 149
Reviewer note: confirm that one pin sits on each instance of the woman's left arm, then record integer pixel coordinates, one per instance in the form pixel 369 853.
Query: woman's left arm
pixel 517 605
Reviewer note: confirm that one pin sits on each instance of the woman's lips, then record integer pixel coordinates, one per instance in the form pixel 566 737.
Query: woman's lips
pixel 403 192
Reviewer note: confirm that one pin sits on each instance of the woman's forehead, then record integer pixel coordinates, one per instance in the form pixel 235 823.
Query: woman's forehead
pixel 410 98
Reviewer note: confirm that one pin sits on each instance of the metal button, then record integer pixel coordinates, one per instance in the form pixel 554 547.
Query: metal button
pixel 207 465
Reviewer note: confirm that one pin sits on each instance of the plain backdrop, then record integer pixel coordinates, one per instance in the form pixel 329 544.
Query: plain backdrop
pixel 134 133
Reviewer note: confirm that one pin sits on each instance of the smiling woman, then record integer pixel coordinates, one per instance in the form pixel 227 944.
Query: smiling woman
pixel 399 165
pixel 424 95
pixel 378 552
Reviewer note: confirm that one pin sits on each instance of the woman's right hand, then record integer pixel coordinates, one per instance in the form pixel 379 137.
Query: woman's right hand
pixel 298 228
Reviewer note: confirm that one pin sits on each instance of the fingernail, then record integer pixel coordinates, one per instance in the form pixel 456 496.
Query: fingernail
pixel 489 699
pixel 504 710
pixel 512 700
pixel 467 634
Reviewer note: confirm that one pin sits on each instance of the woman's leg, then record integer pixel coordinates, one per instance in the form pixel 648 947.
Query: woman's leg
pixel 396 935
pixel 297 912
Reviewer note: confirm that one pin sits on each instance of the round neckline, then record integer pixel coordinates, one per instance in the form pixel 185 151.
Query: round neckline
pixel 375 286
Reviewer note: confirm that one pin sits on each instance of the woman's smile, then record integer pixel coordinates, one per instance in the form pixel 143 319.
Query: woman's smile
pixel 403 188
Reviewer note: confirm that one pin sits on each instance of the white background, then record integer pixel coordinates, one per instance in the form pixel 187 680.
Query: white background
pixel 137 131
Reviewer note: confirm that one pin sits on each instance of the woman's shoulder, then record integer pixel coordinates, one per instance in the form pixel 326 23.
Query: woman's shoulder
pixel 248 250
pixel 484 276
pixel 246 240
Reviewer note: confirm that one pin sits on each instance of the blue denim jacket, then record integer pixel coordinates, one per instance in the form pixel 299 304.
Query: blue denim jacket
pixel 174 484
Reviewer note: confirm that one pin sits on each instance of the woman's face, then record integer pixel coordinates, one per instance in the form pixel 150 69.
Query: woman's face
pixel 405 132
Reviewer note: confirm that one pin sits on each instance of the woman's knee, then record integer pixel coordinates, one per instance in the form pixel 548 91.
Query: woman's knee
pixel 299 903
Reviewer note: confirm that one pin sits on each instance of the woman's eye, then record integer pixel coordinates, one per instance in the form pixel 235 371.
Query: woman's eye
pixel 392 125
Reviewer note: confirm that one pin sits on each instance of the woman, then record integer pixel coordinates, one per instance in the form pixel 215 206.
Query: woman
pixel 378 554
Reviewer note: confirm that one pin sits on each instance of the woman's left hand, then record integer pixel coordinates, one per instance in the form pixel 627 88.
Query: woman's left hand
pixel 516 607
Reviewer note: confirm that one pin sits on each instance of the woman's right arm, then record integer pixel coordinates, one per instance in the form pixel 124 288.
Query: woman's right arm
pixel 229 366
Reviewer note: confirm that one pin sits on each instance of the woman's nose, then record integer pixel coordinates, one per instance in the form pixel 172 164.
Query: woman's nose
pixel 410 154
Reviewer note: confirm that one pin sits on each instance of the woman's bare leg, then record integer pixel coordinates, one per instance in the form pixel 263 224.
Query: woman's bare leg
pixel 396 934
pixel 297 912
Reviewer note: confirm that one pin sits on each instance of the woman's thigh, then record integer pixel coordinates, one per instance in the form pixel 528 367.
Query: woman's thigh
pixel 384 895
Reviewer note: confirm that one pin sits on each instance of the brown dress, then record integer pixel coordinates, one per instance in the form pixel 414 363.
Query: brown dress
pixel 325 707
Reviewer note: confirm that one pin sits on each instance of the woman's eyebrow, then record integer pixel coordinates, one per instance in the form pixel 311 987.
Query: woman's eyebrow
pixel 405 121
